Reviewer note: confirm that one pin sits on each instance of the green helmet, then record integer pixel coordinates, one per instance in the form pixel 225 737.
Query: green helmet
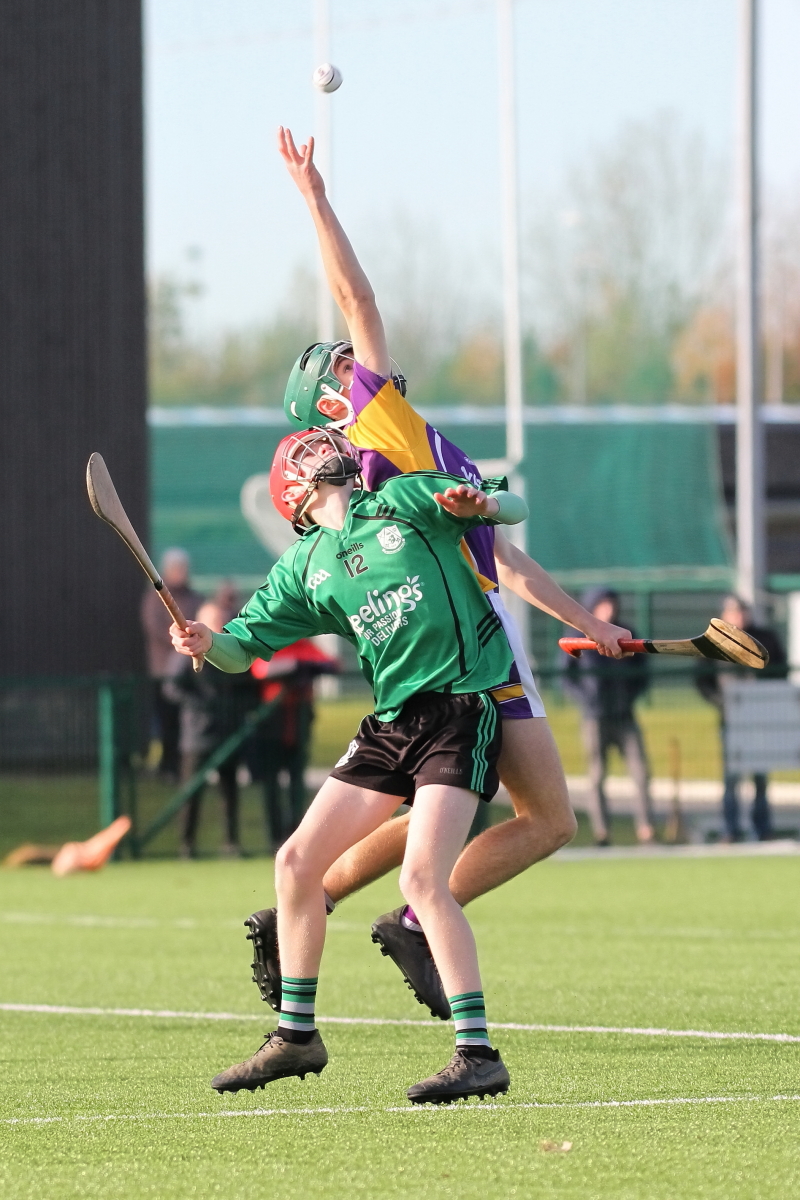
pixel 312 378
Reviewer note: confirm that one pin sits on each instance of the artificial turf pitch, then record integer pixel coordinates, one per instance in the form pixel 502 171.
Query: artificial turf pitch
pixel 101 1106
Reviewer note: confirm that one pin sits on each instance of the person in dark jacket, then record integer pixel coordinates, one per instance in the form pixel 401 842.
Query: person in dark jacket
pixel 708 681
pixel 213 705
pixel 281 743
pixel 606 690
pixel 162 661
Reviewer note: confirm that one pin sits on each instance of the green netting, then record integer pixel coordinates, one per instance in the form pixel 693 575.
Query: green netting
pixel 639 505
pixel 636 500
pixel 197 475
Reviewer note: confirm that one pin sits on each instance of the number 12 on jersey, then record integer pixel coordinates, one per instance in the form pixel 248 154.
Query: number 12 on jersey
pixel 357 566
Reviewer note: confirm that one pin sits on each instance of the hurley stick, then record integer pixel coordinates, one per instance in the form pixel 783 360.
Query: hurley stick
pixel 720 641
pixel 106 503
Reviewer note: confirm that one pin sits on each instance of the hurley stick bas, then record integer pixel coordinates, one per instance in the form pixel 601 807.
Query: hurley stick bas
pixel 106 503
pixel 721 641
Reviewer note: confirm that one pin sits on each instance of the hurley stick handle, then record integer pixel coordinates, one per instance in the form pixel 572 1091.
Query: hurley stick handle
pixel 173 608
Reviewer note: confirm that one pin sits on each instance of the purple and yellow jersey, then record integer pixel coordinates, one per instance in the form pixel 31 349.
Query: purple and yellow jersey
pixel 393 439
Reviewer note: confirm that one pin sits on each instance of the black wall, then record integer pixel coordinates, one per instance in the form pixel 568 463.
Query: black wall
pixel 72 331
pixel 783 492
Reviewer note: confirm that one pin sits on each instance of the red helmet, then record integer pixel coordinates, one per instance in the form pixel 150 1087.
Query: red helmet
pixel 301 462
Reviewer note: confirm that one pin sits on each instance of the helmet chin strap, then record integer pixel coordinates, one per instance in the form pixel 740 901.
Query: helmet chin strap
pixel 300 512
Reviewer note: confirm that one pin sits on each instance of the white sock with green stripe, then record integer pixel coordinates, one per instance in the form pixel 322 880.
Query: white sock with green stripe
pixel 296 1022
pixel 469 1016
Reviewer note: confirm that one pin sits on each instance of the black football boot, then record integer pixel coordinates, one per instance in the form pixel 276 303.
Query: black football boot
pixel 467 1074
pixel 263 926
pixel 276 1059
pixel 410 952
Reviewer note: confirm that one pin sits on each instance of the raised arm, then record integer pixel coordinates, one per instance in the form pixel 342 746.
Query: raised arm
pixel 521 575
pixel 349 285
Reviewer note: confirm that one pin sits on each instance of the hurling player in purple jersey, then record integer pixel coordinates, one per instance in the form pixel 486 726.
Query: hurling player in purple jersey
pixel 350 386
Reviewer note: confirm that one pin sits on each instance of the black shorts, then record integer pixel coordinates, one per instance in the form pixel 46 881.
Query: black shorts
pixel 437 738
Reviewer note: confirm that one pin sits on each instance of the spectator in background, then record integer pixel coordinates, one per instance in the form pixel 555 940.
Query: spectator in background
pixel 162 661
pixel 606 690
pixel 708 681
pixel 281 742
pixel 213 705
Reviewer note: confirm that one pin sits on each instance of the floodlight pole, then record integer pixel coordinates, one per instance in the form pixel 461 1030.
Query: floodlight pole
pixel 512 329
pixel 323 157
pixel 750 465
pixel 512 325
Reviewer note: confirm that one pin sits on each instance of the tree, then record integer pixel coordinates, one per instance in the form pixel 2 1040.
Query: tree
pixel 620 262
pixel 243 368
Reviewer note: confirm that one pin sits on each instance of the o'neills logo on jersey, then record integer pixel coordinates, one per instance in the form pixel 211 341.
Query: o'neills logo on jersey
pixel 350 550
pixel 385 612
pixel 391 539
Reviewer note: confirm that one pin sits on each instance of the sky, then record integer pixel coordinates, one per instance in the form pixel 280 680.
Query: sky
pixel 415 123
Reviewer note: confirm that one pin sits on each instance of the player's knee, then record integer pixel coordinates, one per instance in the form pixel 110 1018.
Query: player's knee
pixel 565 829
pixel 417 884
pixel 560 829
pixel 545 837
pixel 292 869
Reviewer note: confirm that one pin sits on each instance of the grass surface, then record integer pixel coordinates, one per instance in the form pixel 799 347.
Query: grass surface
pixel 679 944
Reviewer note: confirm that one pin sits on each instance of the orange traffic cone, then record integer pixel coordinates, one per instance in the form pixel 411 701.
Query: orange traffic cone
pixel 92 854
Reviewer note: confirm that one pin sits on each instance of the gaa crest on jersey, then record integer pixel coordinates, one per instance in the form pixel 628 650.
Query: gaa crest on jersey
pixel 317 578
pixel 391 539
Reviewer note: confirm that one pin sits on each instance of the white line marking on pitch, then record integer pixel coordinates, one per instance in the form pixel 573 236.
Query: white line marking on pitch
pixel 415 1108
pixel 65 1010
pixel 92 921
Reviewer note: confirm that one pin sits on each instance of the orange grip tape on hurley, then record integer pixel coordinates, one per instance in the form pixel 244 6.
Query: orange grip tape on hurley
pixel 574 646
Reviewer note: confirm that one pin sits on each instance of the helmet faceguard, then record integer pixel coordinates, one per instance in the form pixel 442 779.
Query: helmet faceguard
pixel 313 381
pixel 303 461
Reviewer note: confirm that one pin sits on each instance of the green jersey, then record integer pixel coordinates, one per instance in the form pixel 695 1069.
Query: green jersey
pixel 394 582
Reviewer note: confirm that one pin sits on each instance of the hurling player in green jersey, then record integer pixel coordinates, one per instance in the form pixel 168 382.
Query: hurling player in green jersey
pixel 352 385
pixel 385 570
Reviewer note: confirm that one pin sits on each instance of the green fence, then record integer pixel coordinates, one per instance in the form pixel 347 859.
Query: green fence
pixel 637 505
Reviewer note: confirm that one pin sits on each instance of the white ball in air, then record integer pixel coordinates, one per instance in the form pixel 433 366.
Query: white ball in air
pixel 327 78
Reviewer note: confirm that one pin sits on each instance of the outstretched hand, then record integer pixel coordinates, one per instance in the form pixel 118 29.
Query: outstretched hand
pixel 465 501
pixel 300 164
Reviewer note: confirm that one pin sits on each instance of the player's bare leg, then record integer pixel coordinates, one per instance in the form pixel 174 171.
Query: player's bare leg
pixel 368 860
pixel 339 814
pixel 438 828
pixel 530 768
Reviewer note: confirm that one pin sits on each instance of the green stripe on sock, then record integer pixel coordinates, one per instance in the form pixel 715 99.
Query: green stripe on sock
pixel 298 997
pixel 469 1018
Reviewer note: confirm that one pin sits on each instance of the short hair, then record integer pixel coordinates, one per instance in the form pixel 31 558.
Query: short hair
pixel 175 556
